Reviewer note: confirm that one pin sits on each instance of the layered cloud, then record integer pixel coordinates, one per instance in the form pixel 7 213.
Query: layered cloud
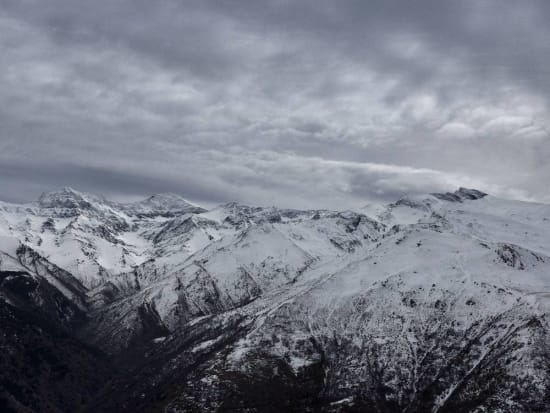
pixel 302 103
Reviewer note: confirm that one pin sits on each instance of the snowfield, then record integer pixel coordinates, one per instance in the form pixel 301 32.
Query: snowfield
pixel 434 303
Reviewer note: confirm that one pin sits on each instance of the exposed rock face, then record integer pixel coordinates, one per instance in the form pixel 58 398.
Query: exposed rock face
pixel 166 205
pixel 461 195
pixel 437 304
pixel 43 367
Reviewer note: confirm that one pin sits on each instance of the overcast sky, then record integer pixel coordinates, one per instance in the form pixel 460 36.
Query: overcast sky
pixel 293 103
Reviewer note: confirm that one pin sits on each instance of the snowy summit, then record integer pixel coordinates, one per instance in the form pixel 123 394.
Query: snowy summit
pixel 435 301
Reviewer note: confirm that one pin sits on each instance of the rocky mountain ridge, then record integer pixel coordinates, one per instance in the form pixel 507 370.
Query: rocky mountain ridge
pixel 438 303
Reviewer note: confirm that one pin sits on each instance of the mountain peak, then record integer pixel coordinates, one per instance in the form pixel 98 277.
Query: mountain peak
pixel 167 197
pixel 136 280
pixel 66 197
pixel 162 204
pixel 167 201
pixel 462 194
pixel 470 193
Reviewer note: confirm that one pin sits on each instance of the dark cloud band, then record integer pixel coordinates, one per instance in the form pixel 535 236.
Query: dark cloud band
pixel 297 103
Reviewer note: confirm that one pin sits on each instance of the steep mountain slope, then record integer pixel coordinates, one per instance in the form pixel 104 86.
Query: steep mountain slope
pixel 43 367
pixel 436 304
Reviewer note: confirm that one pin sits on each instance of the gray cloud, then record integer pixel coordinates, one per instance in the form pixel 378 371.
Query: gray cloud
pixel 293 103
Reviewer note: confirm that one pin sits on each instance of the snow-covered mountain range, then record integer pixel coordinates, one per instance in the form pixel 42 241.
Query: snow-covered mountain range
pixel 434 303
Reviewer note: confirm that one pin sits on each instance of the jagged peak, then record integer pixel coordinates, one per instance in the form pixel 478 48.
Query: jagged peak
pixel 460 195
pixel 237 206
pixel 164 203
pixel 66 191
pixel 166 200
pixel 157 204
pixel 66 197
pixel 167 196
pixel 471 193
